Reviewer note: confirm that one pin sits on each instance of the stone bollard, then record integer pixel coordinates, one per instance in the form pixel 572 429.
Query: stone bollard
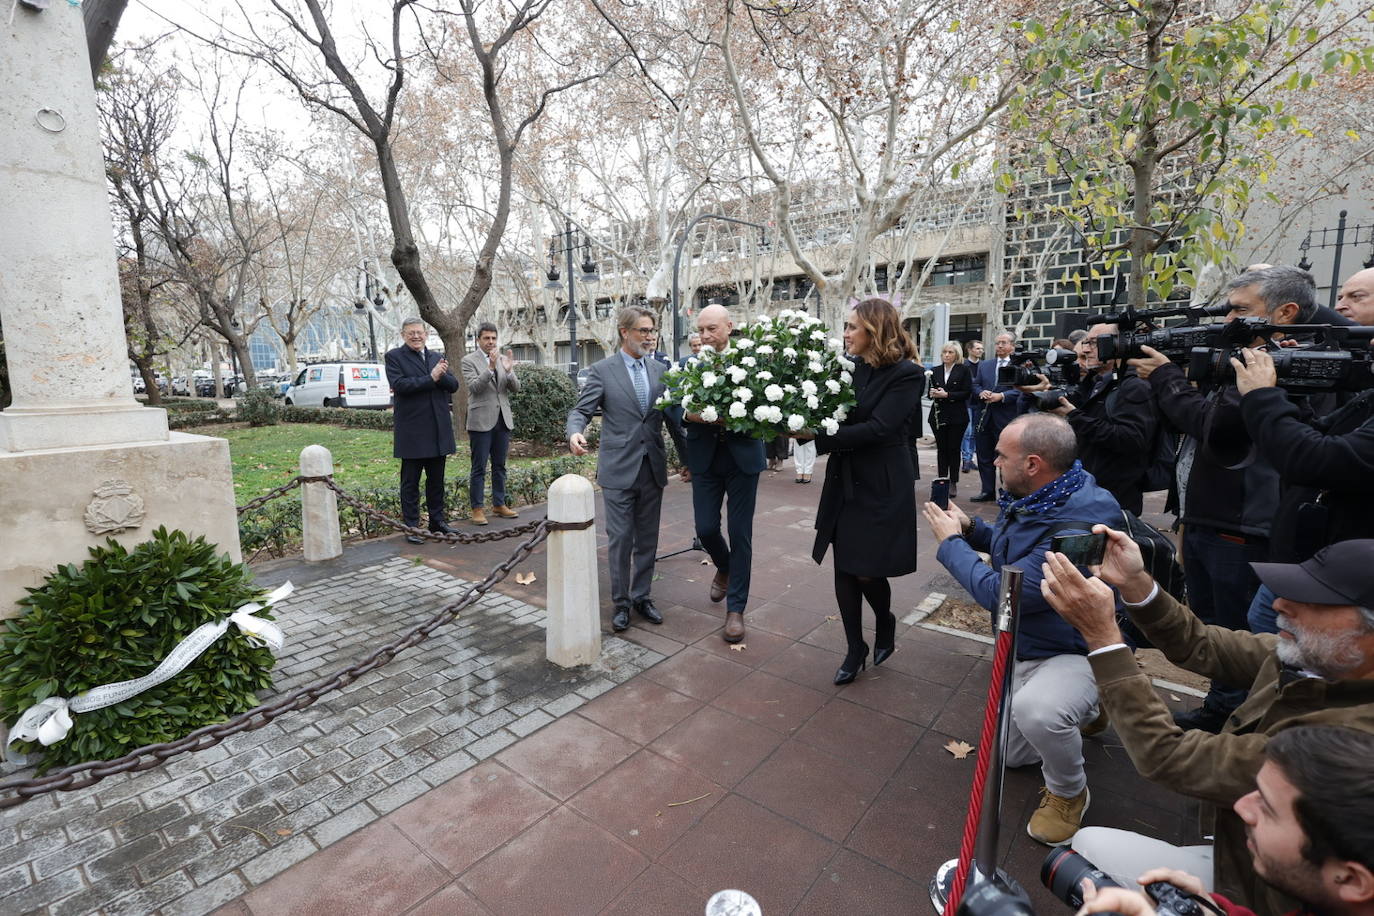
pixel 574 597
pixel 319 507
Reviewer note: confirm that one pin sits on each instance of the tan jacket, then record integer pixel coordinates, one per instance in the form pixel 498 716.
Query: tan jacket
pixel 1219 769
pixel 488 391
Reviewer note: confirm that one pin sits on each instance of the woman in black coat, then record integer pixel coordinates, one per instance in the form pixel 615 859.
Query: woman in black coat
pixel 951 385
pixel 867 512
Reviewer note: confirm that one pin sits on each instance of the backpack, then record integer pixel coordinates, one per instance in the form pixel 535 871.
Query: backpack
pixel 1158 552
pixel 1159 474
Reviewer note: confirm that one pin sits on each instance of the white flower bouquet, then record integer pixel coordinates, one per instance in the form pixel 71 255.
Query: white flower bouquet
pixel 779 375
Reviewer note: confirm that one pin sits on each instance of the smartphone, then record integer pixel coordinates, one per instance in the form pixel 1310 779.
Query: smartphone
pixel 1081 549
pixel 939 492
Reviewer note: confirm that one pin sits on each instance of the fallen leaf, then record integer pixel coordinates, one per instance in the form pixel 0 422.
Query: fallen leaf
pixel 1176 698
pixel 283 832
pixel 739 647
pixel 705 562
pixel 960 749
pixel 525 578
pixel 832 618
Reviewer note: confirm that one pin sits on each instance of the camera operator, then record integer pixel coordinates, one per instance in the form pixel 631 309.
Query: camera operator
pixel 1224 500
pixel 1325 467
pixel 1113 415
pixel 1310 822
pixel 1318 671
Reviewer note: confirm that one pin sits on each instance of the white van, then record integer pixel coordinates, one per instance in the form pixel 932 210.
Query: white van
pixel 341 385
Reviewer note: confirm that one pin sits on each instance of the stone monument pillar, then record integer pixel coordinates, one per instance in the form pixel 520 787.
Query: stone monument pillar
pixel 80 458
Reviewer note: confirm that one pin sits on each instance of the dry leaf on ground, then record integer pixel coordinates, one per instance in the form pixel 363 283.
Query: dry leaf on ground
pixel 525 578
pixel 739 647
pixel 960 749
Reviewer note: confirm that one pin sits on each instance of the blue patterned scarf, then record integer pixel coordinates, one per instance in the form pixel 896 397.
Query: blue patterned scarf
pixel 1050 496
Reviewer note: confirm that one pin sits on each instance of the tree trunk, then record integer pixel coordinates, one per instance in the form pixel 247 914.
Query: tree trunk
pixel 453 349
pixel 145 369
pixel 1143 164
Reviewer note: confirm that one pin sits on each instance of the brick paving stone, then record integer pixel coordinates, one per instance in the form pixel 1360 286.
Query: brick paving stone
pixel 204 828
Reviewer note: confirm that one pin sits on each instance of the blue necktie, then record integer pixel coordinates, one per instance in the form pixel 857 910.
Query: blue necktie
pixel 641 386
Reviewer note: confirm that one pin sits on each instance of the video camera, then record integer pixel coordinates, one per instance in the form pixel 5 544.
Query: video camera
pixel 1136 329
pixel 1326 358
pixel 1063 872
pixel 1023 368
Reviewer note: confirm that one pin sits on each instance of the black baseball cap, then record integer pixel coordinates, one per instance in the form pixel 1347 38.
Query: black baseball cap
pixel 1339 574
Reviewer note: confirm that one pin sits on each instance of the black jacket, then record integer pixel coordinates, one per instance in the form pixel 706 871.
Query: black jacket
pixel 1227 487
pixel 868 504
pixel 1115 424
pixel 1327 465
pixel 422 415
pixel 951 411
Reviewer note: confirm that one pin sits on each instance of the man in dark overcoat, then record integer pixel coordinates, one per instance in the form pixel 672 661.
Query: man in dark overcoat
pixel 1001 404
pixel 421 387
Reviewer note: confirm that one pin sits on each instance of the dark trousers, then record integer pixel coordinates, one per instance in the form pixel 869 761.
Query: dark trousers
pixel 721 482
pixel 986 438
pixel 632 536
pixel 1221 585
pixel 947 446
pixel 434 489
pixel 493 443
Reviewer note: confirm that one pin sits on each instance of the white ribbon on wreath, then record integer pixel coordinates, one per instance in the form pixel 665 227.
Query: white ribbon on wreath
pixel 49 721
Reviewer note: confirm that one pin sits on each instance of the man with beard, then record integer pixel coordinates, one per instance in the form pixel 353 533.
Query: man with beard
pixel 1310 828
pixel 1318 670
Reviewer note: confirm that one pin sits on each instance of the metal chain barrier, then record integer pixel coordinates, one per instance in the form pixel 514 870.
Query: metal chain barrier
pixel 482 537
pixel 78 776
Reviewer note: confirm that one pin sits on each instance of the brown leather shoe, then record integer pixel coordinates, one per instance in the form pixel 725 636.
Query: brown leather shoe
pixel 734 626
pixel 505 512
pixel 718 584
pixel 479 516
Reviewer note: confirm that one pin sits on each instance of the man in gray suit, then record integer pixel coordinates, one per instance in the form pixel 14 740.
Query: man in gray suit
pixel 632 464
pixel 490 379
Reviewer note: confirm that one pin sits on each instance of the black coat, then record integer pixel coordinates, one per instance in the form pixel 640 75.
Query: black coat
pixel 868 504
pixel 422 413
pixel 1115 424
pixel 951 412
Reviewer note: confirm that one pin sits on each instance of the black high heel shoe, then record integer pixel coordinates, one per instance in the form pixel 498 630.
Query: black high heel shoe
pixel 851 667
pixel 885 639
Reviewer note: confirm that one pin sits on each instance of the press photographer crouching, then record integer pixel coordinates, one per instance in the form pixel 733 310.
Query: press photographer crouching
pixel 1318 671
pixel 1113 415
pixel 1310 823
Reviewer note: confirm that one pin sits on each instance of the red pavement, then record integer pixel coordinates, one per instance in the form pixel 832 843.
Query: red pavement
pixel 720 768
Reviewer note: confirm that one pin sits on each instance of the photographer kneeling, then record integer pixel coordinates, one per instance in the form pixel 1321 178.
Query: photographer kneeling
pixel 1318 671
pixel 1310 821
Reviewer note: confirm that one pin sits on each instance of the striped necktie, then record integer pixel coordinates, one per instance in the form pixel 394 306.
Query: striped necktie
pixel 641 385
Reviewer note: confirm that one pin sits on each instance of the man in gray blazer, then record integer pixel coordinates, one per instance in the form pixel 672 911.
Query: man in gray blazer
pixel 490 379
pixel 632 464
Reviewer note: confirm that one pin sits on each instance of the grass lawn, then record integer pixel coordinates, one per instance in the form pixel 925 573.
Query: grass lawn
pixel 269 456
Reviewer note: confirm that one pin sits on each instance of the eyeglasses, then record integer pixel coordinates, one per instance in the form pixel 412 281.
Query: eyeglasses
pixel 644 331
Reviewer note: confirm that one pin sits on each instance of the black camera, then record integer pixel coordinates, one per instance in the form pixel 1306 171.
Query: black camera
pixel 1174 343
pixel 1049 398
pixel 1298 369
pixel 1023 368
pixel 1064 871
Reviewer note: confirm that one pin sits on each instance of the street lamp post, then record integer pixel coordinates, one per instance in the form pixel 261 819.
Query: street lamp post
pixel 569 243
pixel 677 262
pixel 372 294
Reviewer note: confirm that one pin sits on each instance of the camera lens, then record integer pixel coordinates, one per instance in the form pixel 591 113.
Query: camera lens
pixel 1063 872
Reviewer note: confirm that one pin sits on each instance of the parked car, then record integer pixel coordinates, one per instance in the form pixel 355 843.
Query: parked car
pixel 140 387
pixel 341 385
pixel 179 386
pixel 582 376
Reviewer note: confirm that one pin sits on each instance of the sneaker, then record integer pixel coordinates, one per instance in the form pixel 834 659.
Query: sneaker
pixel 1057 819
pixel 1204 718
pixel 1098 725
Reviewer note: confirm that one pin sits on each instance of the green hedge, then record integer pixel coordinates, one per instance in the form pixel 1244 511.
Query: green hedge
pixel 541 405
pixel 259 408
pixel 116 617
pixel 276 527
pixel 190 405
pixel 339 416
